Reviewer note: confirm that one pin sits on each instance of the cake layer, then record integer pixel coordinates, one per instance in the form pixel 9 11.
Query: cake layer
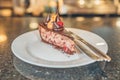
pixel 58 40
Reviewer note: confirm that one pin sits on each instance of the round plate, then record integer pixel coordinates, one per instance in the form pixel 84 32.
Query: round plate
pixel 29 48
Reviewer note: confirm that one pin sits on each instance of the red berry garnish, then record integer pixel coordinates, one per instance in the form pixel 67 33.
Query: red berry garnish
pixel 60 23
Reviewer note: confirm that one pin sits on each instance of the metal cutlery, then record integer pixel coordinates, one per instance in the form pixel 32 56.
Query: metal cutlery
pixel 100 56
pixel 87 51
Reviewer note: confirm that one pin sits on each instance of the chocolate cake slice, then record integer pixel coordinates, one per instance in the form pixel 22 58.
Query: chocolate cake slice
pixel 52 32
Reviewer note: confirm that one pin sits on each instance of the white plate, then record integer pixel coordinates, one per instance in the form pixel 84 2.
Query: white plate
pixel 29 48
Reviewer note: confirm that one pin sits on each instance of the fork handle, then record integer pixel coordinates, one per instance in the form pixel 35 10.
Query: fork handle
pixel 88 52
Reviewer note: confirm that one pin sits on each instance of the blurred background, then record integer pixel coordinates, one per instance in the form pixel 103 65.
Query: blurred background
pixel 23 8
pixel 101 17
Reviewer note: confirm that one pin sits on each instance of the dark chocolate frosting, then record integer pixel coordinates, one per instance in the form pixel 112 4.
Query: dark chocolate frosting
pixel 56 23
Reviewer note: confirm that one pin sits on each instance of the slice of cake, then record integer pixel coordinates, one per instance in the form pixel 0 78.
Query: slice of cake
pixel 52 32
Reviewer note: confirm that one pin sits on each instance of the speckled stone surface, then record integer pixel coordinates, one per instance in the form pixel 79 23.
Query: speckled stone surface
pixel 11 68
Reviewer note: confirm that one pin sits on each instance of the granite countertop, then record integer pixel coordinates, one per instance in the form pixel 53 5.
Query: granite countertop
pixel 12 68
